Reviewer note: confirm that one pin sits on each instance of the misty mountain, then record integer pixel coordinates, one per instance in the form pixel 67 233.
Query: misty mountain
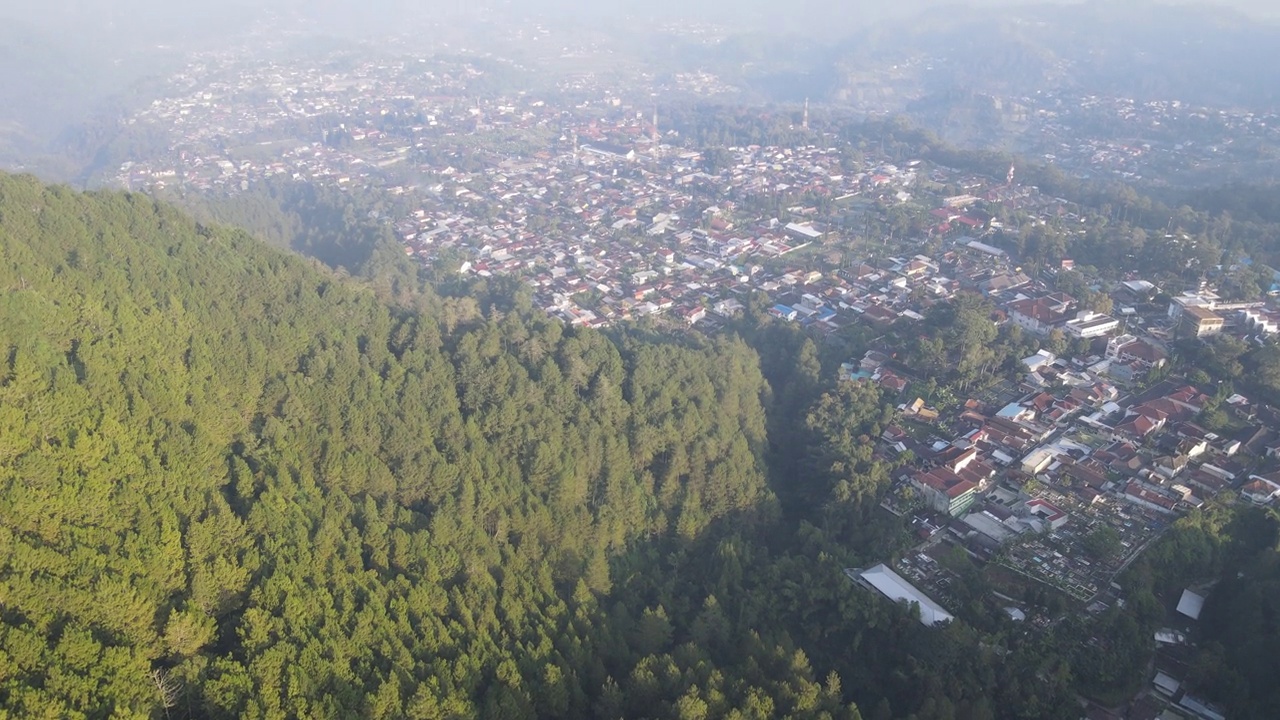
pixel 1196 54
pixel 67 70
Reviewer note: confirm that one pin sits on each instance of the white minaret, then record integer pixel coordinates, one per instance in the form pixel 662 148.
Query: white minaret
pixel 804 123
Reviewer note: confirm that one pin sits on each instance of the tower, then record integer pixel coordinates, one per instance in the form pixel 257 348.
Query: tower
pixel 804 122
pixel 654 127
pixel 1009 178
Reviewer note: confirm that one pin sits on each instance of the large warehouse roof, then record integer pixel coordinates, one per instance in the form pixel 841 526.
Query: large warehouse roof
pixel 895 587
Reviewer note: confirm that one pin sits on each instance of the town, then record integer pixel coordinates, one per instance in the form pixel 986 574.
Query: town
pixel 1053 481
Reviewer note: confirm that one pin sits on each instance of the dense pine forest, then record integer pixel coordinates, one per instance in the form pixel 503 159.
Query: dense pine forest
pixel 236 484
pixel 233 485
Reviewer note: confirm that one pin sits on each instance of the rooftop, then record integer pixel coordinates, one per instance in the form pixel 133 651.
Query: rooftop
pixel 1190 604
pixel 893 586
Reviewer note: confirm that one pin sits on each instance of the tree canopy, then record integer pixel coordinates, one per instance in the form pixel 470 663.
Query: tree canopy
pixel 234 483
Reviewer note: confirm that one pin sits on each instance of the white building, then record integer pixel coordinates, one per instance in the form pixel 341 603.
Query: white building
pixel 1261 321
pixel 1039 360
pixel 1206 300
pixel 893 586
pixel 1259 490
pixel 1091 325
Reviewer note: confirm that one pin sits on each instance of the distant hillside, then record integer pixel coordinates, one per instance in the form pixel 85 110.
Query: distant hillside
pixel 1198 54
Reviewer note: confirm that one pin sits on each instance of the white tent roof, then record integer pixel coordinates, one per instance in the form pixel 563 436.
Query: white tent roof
pixel 1190 604
pixel 896 588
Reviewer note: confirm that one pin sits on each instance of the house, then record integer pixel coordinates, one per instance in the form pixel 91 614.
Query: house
pixel 984 248
pixel 957 459
pixel 872 360
pixel 1170 465
pixel 926 414
pixel 880 315
pixel 1093 396
pixel 1165 684
pixel 606 150
pixel 783 312
pixel 806 233
pixel 892 382
pixel 1261 321
pixel 1200 708
pixel 1048 512
pixel 1224 474
pixel 1017 412
pixel 1140 289
pixel 1255 440
pixel 1141 426
pixel 945 491
pixel 1089 472
pixel 1196 321
pixel 1128 347
pixel 1209 482
pixel 1125 372
pixel 1180 304
pixel 1039 360
pixel 694 314
pixel 727 308
pixel 1040 315
pixel 1039 460
pixel 916 268
pixel 1188 398
pixel 1001 282
pixel 1259 490
pixel 1114 344
pixel 1136 493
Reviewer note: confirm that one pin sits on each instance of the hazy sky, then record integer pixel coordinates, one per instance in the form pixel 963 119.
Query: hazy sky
pixel 191 16
pixel 59 59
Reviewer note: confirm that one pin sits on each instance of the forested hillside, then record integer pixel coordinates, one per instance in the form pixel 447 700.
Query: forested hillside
pixel 235 485
pixel 327 224
pixel 227 476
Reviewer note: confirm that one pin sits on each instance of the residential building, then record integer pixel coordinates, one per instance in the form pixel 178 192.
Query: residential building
pixel 1040 315
pixel 1136 493
pixel 1091 325
pixel 1264 322
pixel 1196 321
pixel 945 491
pixel 1180 304
pixel 1259 490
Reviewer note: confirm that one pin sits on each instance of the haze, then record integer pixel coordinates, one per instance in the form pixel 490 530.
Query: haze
pixel 63 63
pixel 158 20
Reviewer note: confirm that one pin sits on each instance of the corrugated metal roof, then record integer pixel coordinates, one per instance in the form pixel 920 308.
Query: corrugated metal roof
pixel 896 588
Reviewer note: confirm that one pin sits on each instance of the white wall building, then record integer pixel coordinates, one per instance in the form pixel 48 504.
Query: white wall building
pixel 1091 325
